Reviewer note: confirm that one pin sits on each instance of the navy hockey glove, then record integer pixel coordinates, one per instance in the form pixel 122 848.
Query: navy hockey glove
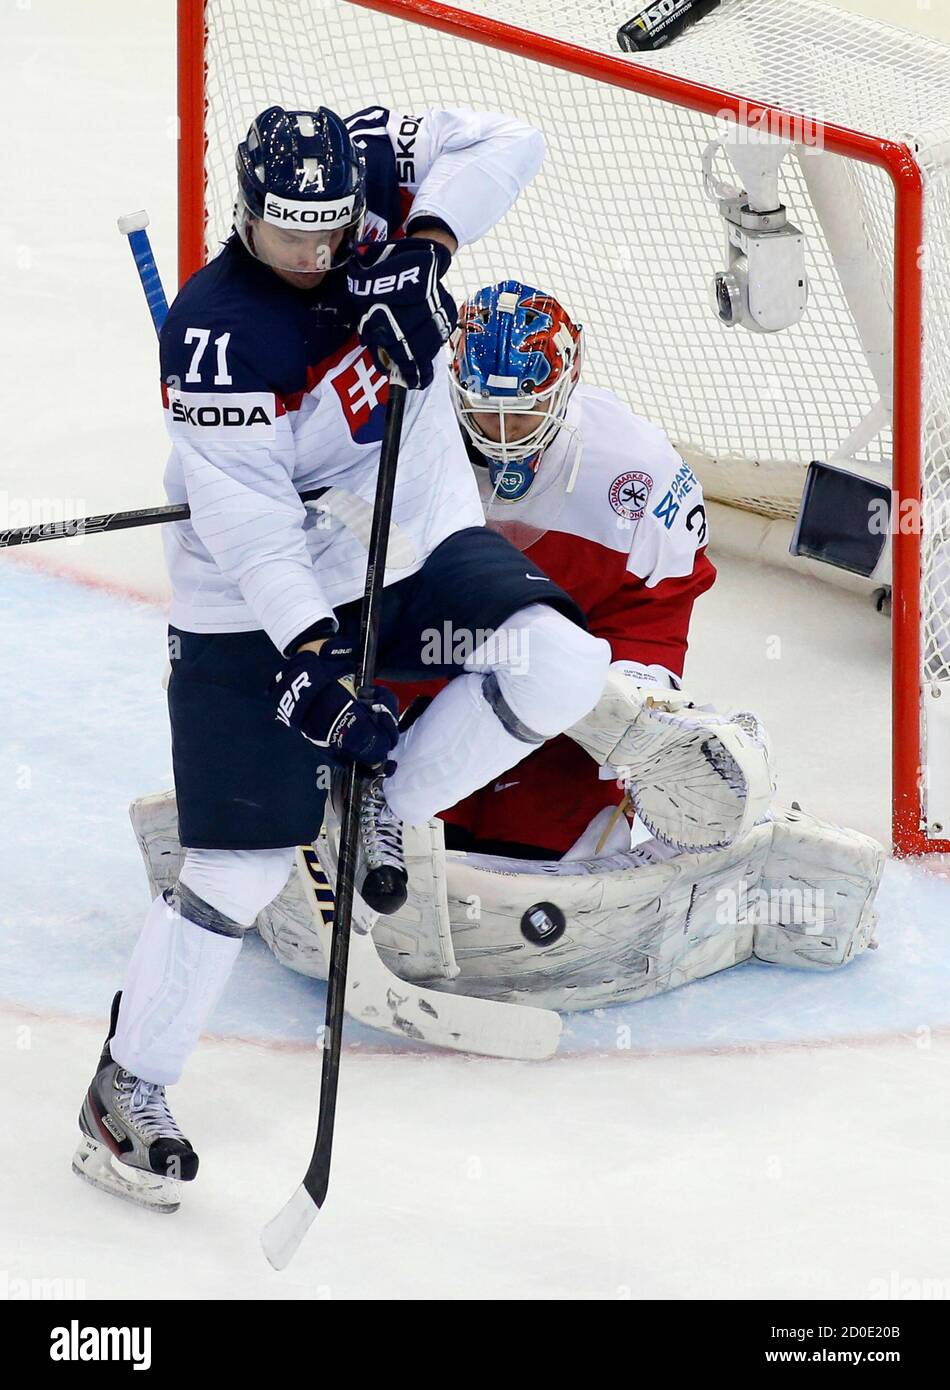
pixel 316 696
pixel 403 312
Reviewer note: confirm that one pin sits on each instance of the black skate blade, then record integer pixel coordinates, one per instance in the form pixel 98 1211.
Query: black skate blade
pixel 95 1164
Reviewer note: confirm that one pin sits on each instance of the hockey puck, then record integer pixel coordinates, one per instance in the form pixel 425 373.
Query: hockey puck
pixel 543 923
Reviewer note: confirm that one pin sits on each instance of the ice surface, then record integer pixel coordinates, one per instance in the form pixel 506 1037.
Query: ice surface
pixel 796 1173
pixel 765 1133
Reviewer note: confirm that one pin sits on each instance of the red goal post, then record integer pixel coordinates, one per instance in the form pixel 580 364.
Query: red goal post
pixel 910 832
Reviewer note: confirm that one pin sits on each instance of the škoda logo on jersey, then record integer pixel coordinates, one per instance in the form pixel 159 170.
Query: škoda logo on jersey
pixel 207 415
pixel 234 419
pixel 405 143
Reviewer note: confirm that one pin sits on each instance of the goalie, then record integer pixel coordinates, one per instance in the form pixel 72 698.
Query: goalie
pixel 599 499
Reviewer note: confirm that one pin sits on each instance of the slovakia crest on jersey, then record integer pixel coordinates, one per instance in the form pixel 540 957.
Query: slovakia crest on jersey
pixel 375 228
pixel 363 391
pixel 629 495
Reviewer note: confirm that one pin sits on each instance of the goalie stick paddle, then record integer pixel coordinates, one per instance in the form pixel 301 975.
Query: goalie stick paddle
pixel 378 998
pixel 281 1237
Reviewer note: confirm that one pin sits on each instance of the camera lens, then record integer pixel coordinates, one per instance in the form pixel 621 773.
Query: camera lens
pixel 726 298
pixel 723 299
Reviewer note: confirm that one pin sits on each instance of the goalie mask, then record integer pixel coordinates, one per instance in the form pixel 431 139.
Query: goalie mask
pixel 516 358
pixel 301 197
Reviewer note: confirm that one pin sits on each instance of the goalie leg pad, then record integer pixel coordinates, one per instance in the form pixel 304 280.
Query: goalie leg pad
pixel 288 927
pixel 416 943
pixel 587 934
pixel 816 897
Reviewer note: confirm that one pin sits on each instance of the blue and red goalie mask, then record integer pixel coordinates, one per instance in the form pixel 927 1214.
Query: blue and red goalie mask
pixel 516 355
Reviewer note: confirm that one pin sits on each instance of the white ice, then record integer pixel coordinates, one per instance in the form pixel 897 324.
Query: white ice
pixel 766 1133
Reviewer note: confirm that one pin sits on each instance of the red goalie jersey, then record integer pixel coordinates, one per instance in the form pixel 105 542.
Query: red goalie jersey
pixel 617 518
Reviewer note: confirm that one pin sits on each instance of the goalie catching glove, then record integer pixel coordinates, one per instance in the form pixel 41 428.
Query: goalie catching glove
pixel 697 779
pixel 316 696
pixel 405 313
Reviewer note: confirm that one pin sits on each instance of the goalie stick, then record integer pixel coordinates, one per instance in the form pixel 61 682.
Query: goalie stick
pixel 379 998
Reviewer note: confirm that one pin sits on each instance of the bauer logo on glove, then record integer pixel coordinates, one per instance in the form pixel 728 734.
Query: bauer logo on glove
pixel 288 701
pixel 405 313
pixel 318 699
pixel 386 284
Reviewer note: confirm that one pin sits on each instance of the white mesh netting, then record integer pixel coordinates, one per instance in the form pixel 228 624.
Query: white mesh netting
pixel 619 227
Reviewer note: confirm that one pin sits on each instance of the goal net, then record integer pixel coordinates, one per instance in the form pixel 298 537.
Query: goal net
pixel 621 227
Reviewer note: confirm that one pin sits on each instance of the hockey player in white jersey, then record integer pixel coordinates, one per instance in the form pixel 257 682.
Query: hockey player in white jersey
pixel 273 365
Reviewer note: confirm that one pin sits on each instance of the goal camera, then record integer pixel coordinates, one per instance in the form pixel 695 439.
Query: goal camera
pixel 764 287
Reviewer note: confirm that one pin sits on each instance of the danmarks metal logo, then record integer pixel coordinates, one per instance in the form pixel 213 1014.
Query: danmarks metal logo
pixel 629 494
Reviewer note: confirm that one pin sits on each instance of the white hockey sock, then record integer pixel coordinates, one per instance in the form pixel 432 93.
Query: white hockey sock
pixel 453 748
pixel 174 980
pixel 548 673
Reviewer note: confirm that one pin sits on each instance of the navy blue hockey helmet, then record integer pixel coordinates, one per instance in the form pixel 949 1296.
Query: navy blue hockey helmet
pixel 301 177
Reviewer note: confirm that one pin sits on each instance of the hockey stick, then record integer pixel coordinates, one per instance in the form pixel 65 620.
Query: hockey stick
pixel 281 1237
pixel 112 521
pixel 133 225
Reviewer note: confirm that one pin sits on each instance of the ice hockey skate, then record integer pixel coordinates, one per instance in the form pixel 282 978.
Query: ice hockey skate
pixel 131 1145
pixel 382 865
